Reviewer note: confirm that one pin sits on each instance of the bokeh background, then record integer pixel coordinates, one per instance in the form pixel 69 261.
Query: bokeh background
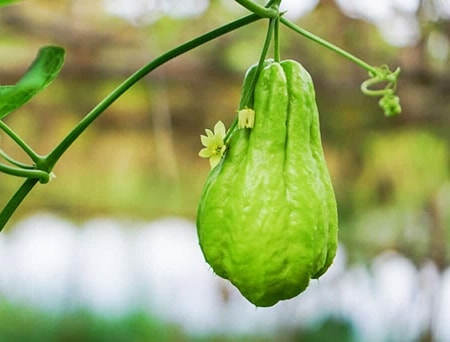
pixel 108 250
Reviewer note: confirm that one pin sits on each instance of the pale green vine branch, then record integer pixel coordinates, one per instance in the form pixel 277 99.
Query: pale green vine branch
pixel 263 11
pixel 248 93
pixel 328 45
pixel 42 176
pixel 14 162
pixel 390 103
pixel 19 141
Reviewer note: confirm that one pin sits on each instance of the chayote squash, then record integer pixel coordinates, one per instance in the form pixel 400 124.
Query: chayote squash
pixel 267 218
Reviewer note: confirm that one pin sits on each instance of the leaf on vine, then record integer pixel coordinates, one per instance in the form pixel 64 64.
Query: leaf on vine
pixel 39 75
pixel 6 2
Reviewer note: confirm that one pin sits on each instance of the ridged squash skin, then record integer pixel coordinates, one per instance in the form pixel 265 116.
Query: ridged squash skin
pixel 267 218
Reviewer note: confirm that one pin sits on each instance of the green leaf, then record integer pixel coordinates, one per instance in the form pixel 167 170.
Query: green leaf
pixel 6 2
pixel 39 75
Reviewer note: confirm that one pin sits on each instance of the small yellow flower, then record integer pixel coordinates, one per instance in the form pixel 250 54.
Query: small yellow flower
pixel 246 118
pixel 214 144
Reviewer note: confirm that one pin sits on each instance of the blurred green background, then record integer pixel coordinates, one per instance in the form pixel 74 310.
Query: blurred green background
pixel 139 160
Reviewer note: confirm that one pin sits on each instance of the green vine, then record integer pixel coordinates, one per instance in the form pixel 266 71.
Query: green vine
pixel 247 95
pixel 14 162
pixel 50 60
pixel 19 141
pixel 269 11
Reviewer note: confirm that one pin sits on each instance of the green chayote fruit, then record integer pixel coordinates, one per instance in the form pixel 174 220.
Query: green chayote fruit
pixel 267 218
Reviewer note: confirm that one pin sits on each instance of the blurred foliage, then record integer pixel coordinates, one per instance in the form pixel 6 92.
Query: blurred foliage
pixel 330 330
pixel 140 159
pixel 397 196
pixel 81 325
pixel 402 168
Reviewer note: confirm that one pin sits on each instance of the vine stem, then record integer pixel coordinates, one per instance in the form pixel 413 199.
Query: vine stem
pixel 13 161
pixel 247 95
pixel 373 71
pixel 16 200
pixel 263 12
pixel 48 162
pixel 43 176
pixel 276 41
pixel 13 135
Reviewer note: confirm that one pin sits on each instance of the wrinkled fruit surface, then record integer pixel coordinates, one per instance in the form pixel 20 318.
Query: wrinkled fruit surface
pixel 267 218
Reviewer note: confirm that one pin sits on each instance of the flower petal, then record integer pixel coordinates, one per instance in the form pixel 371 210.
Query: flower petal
pixel 214 160
pixel 206 141
pixel 219 130
pixel 209 133
pixel 205 153
pixel 214 144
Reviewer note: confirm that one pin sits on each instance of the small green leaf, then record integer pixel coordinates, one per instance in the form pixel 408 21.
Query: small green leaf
pixel 39 75
pixel 6 2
